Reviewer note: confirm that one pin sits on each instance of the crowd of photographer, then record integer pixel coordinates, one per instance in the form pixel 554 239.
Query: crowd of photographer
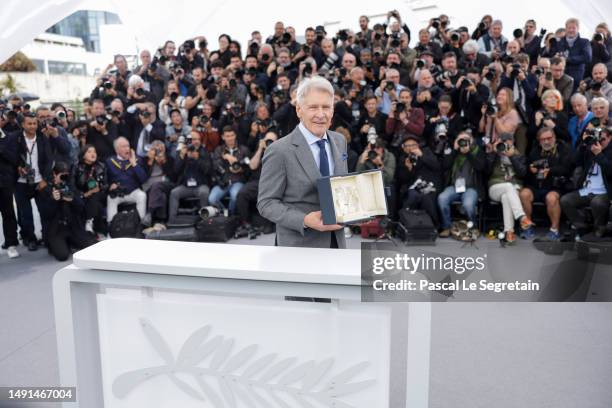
pixel 467 117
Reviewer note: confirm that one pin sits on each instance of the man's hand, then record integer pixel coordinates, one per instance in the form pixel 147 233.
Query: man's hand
pixel 43 184
pixel 533 169
pixel 56 195
pixel 314 220
pixel 596 148
pixel 112 187
pixel 133 158
pixel 230 158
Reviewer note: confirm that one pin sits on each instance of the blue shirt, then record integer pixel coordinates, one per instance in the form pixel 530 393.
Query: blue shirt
pixel 314 148
pixel 385 101
pixel 576 129
pixel 594 183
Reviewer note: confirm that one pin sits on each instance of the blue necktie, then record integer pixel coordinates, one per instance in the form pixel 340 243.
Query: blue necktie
pixel 323 163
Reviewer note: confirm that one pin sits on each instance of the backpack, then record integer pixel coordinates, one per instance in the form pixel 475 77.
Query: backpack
pixel 216 229
pixel 126 224
pixel 416 225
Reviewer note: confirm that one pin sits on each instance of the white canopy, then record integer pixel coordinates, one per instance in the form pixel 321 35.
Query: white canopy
pixel 151 22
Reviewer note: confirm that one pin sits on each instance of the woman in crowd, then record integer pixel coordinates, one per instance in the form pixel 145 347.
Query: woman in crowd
pixel 552 114
pixel 90 180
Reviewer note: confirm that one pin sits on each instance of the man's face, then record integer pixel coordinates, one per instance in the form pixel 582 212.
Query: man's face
pixel 405 98
pixel 283 82
pixel 547 141
pixel 349 61
pixel 449 64
pixel 410 146
pixel 393 76
pixel 357 75
pixel 365 57
pixel 170 49
pixel 250 62
pixel 571 30
pixel 327 47
pixel 176 119
pixel 370 105
pixel 257 38
pixel 363 23
pixel 207 110
pixel 216 71
pixel 605 140
pixel 279 29
pixel 235 62
pixel 424 37
pixel 425 79
pixel 42 115
pixel 116 106
pixel 513 48
pixel 197 75
pixel 195 140
pixel 229 138
pixel 262 113
pixel 496 30
pixel 474 77
pixel 283 59
pixel 557 71
pixel 599 73
pixel 316 111
pixel 580 108
pixel 463 37
pixel 444 108
pixel 123 149
pixel 310 37
pixel 544 65
pixel 145 57
pixel 600 110
pixel 30 125
pixel 393 59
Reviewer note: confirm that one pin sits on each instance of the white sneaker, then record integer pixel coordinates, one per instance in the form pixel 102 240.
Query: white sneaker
pixel 12 252
pixel 89 226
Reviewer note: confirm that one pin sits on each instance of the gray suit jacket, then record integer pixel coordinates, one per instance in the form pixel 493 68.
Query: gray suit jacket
pixel 288 189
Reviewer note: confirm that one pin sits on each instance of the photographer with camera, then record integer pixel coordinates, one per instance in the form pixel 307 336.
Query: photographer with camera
pixel 597 85
pixel 126 173
pixel 454 45
pixel 230 167
pixel 441 129
pixel 376 156
pixel 234 116
pixel 247 196
pixel 418 177
pixel 177 133
pixel 121 73
pixel 556 79
pixel 426 44
pixel 364 36
pixel 285 115
pixel 524 85
pixel 576 51
pixel 65 223
pixel 153 72
pixel 90 182
pixel 136 92
pixel 260 125
pixel 594 158
pixel 161 179
pixel 8 175
pixel 483 27
pixel 463 169
pixel 506 168
pixel 50 127
pixel 493 43
pixel 172 100
pixel 188 57
pixel 106 89
pixel 369 117
pixel 601 113
pixel 552 115
pixel 550 168
pixel 388 91
pixel 601 45
pixel 472 96
pixel 500 117
pixel 145 127
pixel 34 164
pixel 193 169
pixel 447 79
pixel 530 42
pixel 426 94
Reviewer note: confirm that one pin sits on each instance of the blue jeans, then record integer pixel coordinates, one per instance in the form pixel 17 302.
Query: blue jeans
pixel 469 200
pixel 217 193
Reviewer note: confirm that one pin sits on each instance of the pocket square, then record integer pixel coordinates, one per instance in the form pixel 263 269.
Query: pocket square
pixel 344 157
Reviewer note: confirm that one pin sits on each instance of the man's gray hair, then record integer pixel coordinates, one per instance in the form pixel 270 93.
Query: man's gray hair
pixel 577 97
pixel 497 22
pixel 135 80
pixel 470 47
pixel 603 66
pixel 314 83
pixel 41 108
pixel 117 140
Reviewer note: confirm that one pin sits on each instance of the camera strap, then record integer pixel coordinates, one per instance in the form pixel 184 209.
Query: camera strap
pixel 30 151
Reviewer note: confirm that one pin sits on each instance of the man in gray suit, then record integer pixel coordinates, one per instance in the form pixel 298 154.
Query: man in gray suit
pixel 291 166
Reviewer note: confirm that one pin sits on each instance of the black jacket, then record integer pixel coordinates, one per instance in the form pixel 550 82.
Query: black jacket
pixel 478 161
pixel 168 168
pixel 560 164
pixel 83 173
pixel 427 167
pixel 103 143
pixel 199 169
pixel 8 159
pixel 45 155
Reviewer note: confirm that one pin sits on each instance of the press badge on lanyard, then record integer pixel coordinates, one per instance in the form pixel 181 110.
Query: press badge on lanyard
pixel 460 185
pixel 191 182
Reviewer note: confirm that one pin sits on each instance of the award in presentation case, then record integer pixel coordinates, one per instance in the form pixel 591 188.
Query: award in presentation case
pixel 352 197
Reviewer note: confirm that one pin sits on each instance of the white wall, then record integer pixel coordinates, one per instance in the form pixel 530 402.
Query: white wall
pixel 52 88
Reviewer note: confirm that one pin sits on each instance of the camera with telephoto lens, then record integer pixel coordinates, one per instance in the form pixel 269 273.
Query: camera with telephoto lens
pixel 237 166
pixel 440 135
pixel 30 174
pixel 463 142
pixel 593 85
pixel 208 212
pixel 538 71
pixel 598 37
pixel 540 165
pixel 204 120
pixel 389 86
pixel 400 107
pixel 518 33
pixel 140 92
pixel 423 186
pixel 420 64
pixel 548 76
pixel 342 35
pixel 436 23
pixel 413 158
pixel 101 120
pixel 307 70
pixel 174 96
pixel 482 26
pixel 593 136
pixel 395 40
pixel 454 37
pixel 490 75
pixel 64 188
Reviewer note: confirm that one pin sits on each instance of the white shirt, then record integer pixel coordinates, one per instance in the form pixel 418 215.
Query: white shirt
pixel 31 159
pixel 312 140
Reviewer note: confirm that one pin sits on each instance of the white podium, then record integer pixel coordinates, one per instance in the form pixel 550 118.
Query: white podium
pixel 174 324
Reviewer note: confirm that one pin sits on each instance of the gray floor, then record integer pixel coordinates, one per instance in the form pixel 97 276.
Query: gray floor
pixel 483 354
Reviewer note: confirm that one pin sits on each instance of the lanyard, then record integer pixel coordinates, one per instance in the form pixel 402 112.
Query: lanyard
pixel 30 151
